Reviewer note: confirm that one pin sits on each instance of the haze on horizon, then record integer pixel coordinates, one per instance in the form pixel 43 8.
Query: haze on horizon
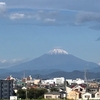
pixel 31 28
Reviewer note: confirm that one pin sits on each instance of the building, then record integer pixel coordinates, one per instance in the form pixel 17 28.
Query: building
pixel 36 81
pixel 54 81
pixel 77 81
pixel 52 95
pixel 55 95
pixel 74 95
pixel 6 89
pixel 10 78
pixel 59 80
pixel 47 82
pixel 80 88
pixel 86 96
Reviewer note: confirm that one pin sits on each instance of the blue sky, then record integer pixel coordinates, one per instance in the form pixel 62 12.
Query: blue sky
pixel 30 28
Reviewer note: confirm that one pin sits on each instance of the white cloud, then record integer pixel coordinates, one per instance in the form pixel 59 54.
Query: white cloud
pixel 46 16
pixel 99 64
pixel 42 11
pixel 49 20
pixel 77 5
pixel 43 17
pixel 17 16
pixel 37 17
pixel 40 15
pixel 12 62
pixel 3 61
pixel 2 7
pixel 17 60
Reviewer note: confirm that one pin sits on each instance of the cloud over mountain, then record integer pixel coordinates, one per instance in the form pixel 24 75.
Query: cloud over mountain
pixel 7 63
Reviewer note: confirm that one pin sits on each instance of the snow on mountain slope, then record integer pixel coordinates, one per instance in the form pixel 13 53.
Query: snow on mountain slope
pixel 57 51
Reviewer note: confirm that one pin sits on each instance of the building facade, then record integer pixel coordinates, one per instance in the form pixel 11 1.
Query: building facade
pixel 6 89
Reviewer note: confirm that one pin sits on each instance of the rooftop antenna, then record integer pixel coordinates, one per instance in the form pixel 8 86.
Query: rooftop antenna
pixel 85 76
pixel 86 80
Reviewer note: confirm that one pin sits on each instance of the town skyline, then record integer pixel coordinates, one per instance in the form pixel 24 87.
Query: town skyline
pixel 29 29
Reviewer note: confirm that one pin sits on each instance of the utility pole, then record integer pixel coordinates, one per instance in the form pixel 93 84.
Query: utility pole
pixel 24 76
pixel 26 93
pixel 65 86
pixel 85 79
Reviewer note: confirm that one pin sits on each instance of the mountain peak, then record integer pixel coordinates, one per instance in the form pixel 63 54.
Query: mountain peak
pixel 57 51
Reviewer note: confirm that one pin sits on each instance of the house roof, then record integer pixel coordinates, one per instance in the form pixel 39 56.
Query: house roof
pixel 63 92
pixel 86 93
pixel 73 91
pixel 82 85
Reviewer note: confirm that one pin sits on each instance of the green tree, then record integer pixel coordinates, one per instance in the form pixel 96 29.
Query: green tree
pixel 21 94
pixel 30 93
pixel 41 93
pixel 53 89
pixel 36 93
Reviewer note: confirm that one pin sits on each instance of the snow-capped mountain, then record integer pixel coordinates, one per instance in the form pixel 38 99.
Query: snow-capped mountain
pixel 55 59
pixel 57 51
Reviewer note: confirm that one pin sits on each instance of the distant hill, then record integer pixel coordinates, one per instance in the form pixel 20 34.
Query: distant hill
pixel 4 71
pixel 55 59
pixel 67 75
pixel 96 69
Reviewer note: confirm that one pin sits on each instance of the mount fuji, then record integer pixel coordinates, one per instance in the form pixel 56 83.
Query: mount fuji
pixel 55 59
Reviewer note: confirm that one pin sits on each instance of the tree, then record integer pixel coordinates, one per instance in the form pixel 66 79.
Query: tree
pixel 53 89
pixel 30 93
pixel 36 93
pixel 41 93
pixel 21 94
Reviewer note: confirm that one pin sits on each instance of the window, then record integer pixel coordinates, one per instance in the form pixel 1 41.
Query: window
pixel 58 96
pixel 97 95
pixel 93 95
pixel 81 89
pixel 48 97
pixel 87 96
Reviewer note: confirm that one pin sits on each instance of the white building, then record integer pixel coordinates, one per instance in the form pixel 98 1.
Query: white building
pixel 47 82
pixel 10 78
pixel 77 81
pixel 59 80
pixel 70 81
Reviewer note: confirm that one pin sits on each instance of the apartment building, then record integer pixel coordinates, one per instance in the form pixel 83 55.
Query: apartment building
pixel 6 89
